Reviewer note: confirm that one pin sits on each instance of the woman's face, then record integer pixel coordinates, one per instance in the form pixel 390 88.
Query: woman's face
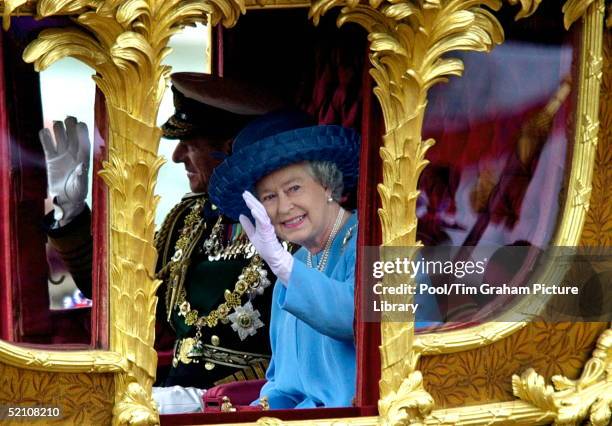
pixel 297 206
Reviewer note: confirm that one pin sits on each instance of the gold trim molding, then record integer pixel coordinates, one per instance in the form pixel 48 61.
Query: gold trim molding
pixel 61 361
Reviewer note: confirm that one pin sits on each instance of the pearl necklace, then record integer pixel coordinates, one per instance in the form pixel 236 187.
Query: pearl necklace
pixel 330 239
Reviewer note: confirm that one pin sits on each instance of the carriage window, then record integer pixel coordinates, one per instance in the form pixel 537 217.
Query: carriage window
pixel 496 173
pixel 172 183
pixel 500 150
pixel 320 77
pixel 67 79
pixel 26 289
pixel 71 79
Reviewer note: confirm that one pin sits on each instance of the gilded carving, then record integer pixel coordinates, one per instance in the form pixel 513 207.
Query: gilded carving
pixel 573 400
pixel 598 227
pixel 125 42
pixel 84 399
pixel 528 7
pixel 589 131
pixel 582 194
pixel 482 375
pixel 134 407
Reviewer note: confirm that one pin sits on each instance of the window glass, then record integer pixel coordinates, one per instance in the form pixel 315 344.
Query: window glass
pixel 190 52
pixel 67 89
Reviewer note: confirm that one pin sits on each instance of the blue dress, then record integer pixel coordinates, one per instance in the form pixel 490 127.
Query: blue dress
pixel 311 330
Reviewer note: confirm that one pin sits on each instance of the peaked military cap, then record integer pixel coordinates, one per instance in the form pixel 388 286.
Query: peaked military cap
pixel 215 107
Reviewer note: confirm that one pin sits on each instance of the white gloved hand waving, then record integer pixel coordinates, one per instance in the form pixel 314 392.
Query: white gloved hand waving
pixel 67 167
pixel 264 239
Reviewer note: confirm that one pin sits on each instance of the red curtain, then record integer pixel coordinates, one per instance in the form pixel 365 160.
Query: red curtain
pixel 25 304
pixel 6 294
pixel 100 310
pixel 367 334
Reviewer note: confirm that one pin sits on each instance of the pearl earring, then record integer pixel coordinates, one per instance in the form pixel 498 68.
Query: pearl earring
pixel 330 199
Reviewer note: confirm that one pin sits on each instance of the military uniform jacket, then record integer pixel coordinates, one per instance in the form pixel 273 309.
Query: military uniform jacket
pixel 212 282
pixel 216 295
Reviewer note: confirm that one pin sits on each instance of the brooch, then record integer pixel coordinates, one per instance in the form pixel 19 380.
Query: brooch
pixel 348 235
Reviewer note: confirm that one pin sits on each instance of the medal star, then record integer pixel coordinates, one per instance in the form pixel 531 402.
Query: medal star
pixel 245 320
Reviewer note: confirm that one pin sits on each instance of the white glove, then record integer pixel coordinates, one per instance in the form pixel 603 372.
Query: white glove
pixel 264 239
pixel 67 167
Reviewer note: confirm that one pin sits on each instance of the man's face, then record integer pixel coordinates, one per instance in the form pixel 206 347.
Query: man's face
pixel 198 154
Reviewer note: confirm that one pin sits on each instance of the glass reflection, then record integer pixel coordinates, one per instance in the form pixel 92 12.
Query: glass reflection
pixel 501 147
pixel 496 172
pixel 25 293
pixel 68 79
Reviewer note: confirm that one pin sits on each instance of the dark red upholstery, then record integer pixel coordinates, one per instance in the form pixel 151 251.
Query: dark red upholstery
pixel 239 393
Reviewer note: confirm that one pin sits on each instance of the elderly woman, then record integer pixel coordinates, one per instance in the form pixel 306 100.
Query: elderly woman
pixel 290 175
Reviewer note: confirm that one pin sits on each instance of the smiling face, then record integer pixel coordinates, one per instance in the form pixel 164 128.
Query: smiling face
pixel 200 156
pixel 298 207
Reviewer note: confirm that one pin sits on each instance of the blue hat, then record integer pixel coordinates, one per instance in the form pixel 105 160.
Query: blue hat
pixel 276 140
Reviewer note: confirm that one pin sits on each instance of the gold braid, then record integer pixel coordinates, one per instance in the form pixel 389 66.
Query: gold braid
pixel 163 241
pixel 163 235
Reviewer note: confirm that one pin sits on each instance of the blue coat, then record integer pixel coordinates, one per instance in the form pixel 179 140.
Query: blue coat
pixel 311 330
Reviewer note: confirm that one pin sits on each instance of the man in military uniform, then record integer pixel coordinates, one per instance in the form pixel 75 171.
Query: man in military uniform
pixel 214 293
pixel 215 286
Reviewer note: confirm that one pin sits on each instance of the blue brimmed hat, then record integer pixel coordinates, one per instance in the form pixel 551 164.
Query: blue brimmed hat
pixel 276 140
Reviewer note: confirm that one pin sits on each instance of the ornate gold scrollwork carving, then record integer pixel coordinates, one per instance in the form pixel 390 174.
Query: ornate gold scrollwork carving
pixel 528 7
pixel 572 401
pixel 408 41
pixel 134 408
pixel 10 6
